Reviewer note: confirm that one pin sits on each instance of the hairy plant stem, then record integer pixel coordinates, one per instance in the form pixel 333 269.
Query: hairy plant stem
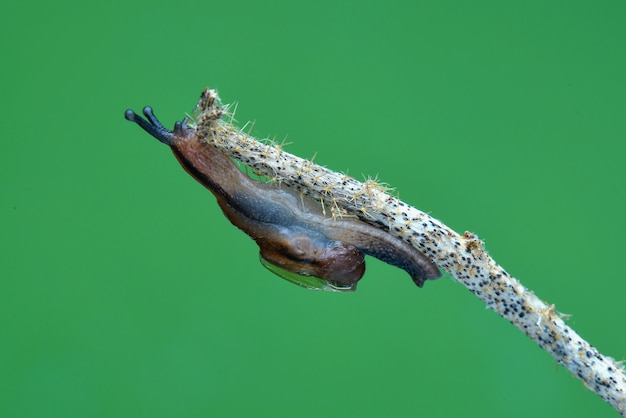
pixel 462 256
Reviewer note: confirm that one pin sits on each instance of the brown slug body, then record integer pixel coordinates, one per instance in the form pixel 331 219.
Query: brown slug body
pixel 291 232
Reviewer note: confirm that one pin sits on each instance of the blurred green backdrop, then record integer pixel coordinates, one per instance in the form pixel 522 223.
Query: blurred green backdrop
pixel 124 292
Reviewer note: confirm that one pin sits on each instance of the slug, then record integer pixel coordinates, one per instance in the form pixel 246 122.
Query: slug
pixel 295 239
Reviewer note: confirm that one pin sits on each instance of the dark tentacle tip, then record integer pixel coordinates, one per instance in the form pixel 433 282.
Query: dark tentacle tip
pixel 130 115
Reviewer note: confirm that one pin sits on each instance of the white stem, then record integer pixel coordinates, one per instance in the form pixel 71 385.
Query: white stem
pixel 462 256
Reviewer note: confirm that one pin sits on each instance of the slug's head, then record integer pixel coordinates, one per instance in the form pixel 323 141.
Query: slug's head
pixel 152 125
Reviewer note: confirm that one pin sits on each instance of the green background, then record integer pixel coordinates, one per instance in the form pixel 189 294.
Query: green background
pixel 124 292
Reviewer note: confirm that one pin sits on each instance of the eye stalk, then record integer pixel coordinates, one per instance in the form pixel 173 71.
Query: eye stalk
pixel 154 127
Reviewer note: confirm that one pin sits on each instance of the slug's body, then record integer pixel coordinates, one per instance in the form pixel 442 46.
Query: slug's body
pixel 292 233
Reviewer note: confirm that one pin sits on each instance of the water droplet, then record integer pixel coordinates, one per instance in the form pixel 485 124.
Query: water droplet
pixel 308 282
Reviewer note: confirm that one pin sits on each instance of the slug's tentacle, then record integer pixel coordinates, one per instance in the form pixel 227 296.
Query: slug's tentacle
pixel 153 126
